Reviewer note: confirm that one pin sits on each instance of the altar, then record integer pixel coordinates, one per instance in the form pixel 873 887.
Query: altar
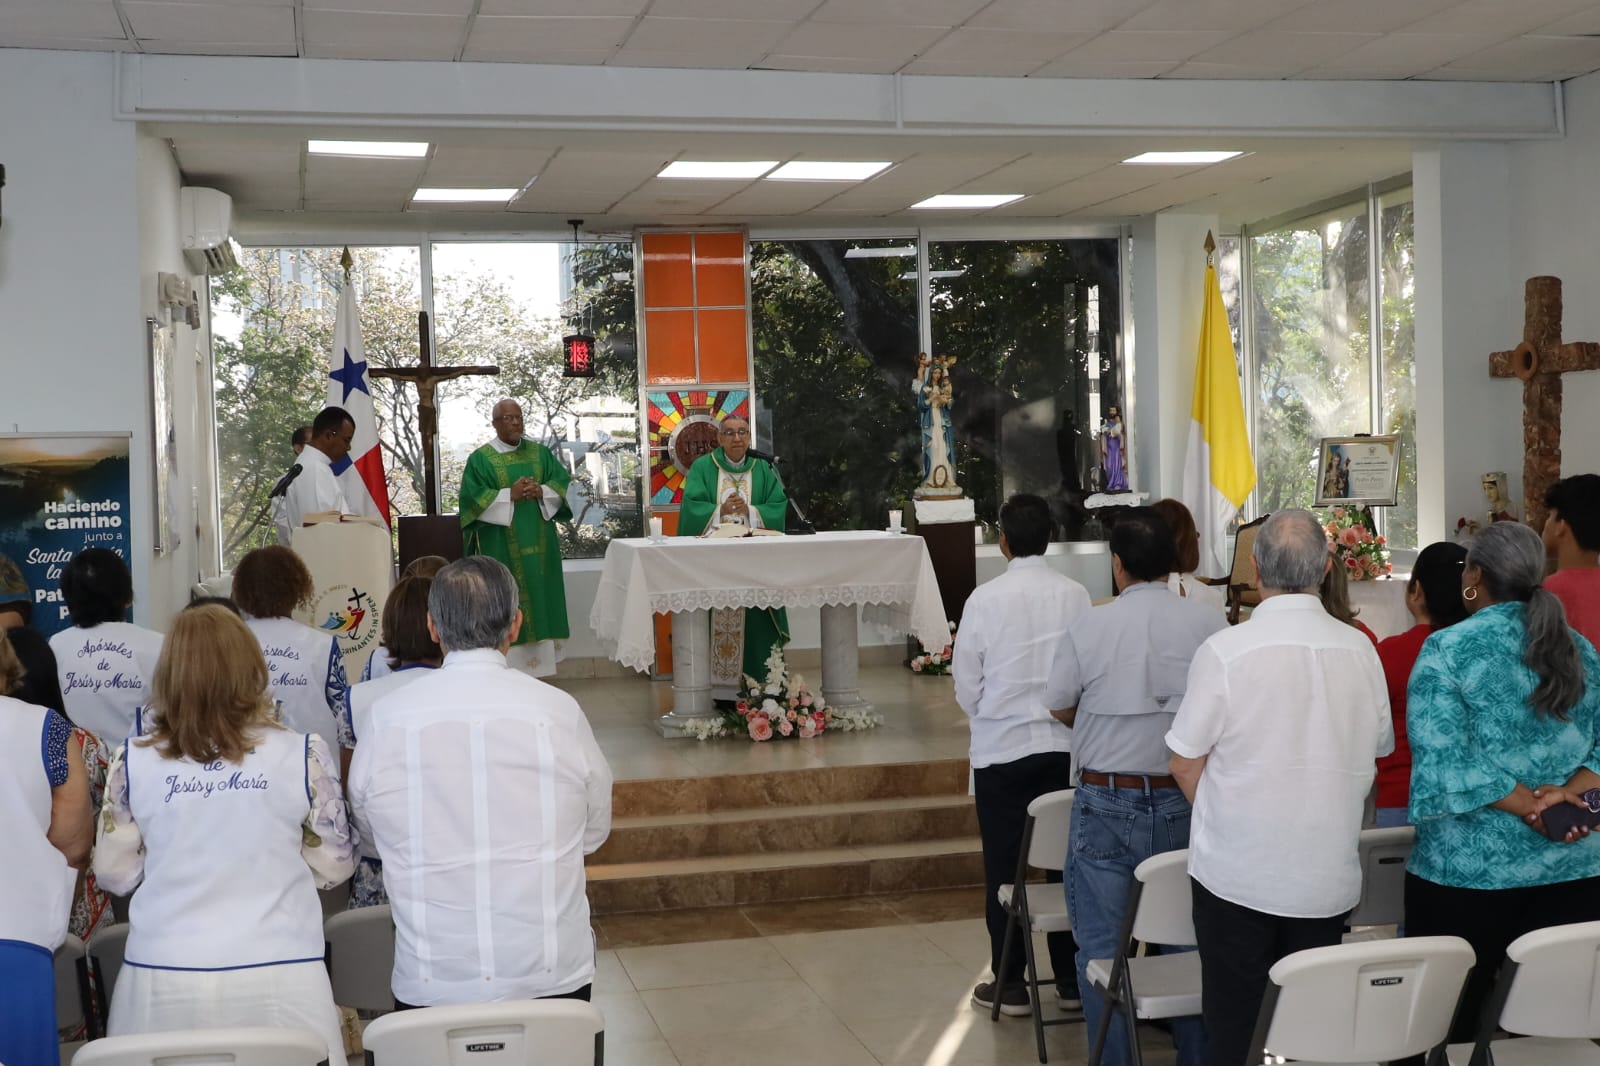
pixel 888 575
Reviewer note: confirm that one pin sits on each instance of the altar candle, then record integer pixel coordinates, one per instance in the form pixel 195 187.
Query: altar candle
pixel 656 532
pixel 894 520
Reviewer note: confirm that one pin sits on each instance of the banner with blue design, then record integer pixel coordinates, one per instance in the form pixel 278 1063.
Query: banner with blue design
pixel 59 494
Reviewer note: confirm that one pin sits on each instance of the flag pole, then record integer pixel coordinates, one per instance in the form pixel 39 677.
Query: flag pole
pixel 347 261
pixel 1210 247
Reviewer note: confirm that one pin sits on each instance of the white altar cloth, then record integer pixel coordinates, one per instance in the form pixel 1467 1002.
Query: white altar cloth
pixel 1381 605
pixel 890 573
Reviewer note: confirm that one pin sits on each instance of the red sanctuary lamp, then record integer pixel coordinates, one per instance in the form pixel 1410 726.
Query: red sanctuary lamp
pixel 578 354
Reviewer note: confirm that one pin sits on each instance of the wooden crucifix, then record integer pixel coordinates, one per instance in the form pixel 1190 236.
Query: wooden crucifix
pixel 1539 361
pixel 427 377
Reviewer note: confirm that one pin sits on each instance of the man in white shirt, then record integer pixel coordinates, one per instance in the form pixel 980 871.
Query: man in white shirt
pixel 316 488
pixel 1011 631
pixel 482 789
pixel 297 441
pixel 1275 745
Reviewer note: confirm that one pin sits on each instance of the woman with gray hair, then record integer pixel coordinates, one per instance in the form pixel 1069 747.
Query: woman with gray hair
pixel 1503 714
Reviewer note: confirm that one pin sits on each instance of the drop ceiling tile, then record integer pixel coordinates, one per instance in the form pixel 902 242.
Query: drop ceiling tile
pixel 972 68
pixel 1283 49
pixel 1529 59
pixel 260 161
pixel 777 198
pixel 1195 71
pixel 840 40
pixel 328 174
pixel 489 167
pixel 703 35
pixel 792 10
pixel 549 202
pixel 629 8
pixel 61 18
pixel 730 59
pixel 360 35
pixel 983 45
pixel 1361 16
pixel 1211 15
pixel 1148 46
pixel 1415 51
pixel 831 65
pixel 161 20
pixel 1336 72
pixel 544 35
pixel 1583 22
pixel 497 53
pixel 1036 174
pixel 944 13
pixel 604 171
pixel 286 49
pixel 1082 64
pixel 71 44
pixel 1054 16
pixel 394 7
pixel 1498 17
pixel 678 197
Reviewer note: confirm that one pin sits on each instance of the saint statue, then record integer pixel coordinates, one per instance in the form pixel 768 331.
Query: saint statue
pixel 1494 492
pixel 931 385
pixel 1114 451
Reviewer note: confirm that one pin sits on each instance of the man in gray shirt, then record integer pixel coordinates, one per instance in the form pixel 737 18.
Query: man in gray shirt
pixel 1118 681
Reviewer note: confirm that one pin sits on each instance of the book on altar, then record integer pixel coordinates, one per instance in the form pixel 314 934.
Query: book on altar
pixel 729 530
pixel 318 517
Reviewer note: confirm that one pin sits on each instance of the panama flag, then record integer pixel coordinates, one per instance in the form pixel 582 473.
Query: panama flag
pixel 1219 472
pixel 360 474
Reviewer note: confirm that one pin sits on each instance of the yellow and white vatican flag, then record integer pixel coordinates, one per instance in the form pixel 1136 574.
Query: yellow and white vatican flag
pixel 1219 471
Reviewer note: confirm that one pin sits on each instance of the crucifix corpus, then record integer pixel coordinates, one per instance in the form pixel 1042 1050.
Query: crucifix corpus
pixel 1539 361
pixel 426 377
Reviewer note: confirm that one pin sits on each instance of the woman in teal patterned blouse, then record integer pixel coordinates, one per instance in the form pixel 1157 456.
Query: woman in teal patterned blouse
pixel 1504 718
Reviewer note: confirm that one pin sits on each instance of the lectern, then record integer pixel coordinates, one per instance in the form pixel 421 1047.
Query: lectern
pixel 350 577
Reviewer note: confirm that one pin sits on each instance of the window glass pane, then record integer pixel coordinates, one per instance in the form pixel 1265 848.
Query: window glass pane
pixel 1397 263
pixel 272 329
pixel 1311 319
pixel 508 304
pixel 1035 328
pixel 835 335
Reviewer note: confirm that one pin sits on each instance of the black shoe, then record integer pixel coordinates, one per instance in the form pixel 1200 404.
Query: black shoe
pixel 1068 998
pixel 1013 1000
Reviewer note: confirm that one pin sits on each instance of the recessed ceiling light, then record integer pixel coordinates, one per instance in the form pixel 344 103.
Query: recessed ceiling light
pixel 818 170
pixel 725 170
pixel 897 252
pixel 370 149
pixel 959 200
pixel 1180 159
pixel 464 196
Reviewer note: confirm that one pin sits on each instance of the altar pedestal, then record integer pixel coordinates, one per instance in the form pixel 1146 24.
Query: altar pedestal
pixel 428 534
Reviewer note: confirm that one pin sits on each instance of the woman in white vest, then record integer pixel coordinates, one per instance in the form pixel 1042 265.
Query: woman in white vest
pixel 305 665
pixel 413 654
pixel 47 824
pixel 104 663
pixel 227 823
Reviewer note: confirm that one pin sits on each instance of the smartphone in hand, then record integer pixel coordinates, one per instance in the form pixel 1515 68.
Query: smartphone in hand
pixel 1563 817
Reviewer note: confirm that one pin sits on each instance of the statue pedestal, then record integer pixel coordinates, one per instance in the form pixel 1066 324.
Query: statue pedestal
pixel 428 534
pixel 946 526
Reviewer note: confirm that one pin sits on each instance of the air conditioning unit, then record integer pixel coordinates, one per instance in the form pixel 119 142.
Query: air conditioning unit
pixel 206 217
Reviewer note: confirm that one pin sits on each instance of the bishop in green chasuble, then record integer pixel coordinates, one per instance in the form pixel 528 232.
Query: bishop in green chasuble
pixel 730 486
pixel 513 492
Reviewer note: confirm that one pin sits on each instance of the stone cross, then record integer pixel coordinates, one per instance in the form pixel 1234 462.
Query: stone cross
pixel 426 377
pixel 1539 361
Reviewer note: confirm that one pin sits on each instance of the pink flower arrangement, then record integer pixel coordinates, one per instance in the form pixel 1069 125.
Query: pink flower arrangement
pixel 780 706
pixel 934 662
pixel 1364 554
pixel 760 727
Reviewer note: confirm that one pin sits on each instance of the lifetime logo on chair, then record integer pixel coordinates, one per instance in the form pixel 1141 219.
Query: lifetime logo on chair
pixel 1376 982
pixel 471 1048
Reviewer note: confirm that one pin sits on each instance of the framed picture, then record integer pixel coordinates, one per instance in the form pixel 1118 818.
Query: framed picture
pixel 1362 471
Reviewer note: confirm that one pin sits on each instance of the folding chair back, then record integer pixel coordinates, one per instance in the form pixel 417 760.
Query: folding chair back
pixel 335 900
pixel 546 1032
pixel 361 957
pixel 1052 828
pixel 1374 1001
pixel 207 1047
pixel 69 993
pixel 1554 988
pixel 1383 854
pixel 107 945
pixel 1166 903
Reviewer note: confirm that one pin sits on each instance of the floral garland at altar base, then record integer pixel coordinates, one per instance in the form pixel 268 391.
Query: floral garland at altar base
pixel 1352 543
pixel 782 707
pixel 936 663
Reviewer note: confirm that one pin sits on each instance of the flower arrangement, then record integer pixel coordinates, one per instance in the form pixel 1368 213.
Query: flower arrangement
pixel 934 662
pixel 780 707
pixel 1363 554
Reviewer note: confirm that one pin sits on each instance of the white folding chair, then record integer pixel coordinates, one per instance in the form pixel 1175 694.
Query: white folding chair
pixel 1548 993
pixel 71 978
pixel 1160 912
pixel 546 1032
pixel 1383 854
pixel 1039 907
pixel 207 1047
pixel 360 945
pixel 107 945
pixel 1374 1001
pixel 335 900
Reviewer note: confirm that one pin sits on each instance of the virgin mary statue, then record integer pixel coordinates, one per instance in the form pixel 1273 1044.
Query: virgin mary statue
pixel 934 397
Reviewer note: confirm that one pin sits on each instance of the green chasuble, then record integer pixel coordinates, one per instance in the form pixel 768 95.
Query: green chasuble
pixel 529 546
pixel 764 628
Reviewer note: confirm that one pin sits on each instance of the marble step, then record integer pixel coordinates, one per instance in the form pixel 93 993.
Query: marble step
pixel 763 830
pixel 785 876
pixel 788 788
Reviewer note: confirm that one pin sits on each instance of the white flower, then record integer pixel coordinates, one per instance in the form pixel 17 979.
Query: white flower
pixel 770 708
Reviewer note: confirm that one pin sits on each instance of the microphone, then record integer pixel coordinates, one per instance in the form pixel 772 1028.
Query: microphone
pixel 282 487
pixel 757 453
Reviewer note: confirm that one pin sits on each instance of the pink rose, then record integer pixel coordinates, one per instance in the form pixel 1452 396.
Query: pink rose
pixel 1349 537
pixel 785 726
pixel 805 701
pixel 789 716
pixel 742 707
pixel 1388 568
pixel 1383 540
pixel 1338 512
pixel 1352 564
pixel 760 728
pixel 808 727
pixel 916 665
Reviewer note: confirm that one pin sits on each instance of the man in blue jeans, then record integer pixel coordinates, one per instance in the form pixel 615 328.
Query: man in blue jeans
pixel 1120 677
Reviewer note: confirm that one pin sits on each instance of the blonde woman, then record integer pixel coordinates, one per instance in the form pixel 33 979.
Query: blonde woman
pixel 228 824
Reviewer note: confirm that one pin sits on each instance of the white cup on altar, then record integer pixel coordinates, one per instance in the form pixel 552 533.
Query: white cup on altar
pixel 657 533
pixel 894 521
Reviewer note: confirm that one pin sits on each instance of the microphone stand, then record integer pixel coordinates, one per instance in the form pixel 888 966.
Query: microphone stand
pixel 803 526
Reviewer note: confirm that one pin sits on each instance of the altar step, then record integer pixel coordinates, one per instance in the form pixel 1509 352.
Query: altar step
pixel 777 837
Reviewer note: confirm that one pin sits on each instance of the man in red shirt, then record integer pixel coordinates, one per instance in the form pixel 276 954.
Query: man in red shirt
pixel 1572 537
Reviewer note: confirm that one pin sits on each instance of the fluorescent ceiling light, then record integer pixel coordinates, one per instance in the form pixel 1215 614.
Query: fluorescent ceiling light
pixel 958 200
pixel 1180 159
pixel 370 149
pixel 816 170
pixel 911 274
pixel 733 170
pixel 897 252
pixel 464 196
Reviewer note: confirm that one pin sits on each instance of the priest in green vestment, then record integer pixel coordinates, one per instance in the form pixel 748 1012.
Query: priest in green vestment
pixel 730 486
pixel 513 492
